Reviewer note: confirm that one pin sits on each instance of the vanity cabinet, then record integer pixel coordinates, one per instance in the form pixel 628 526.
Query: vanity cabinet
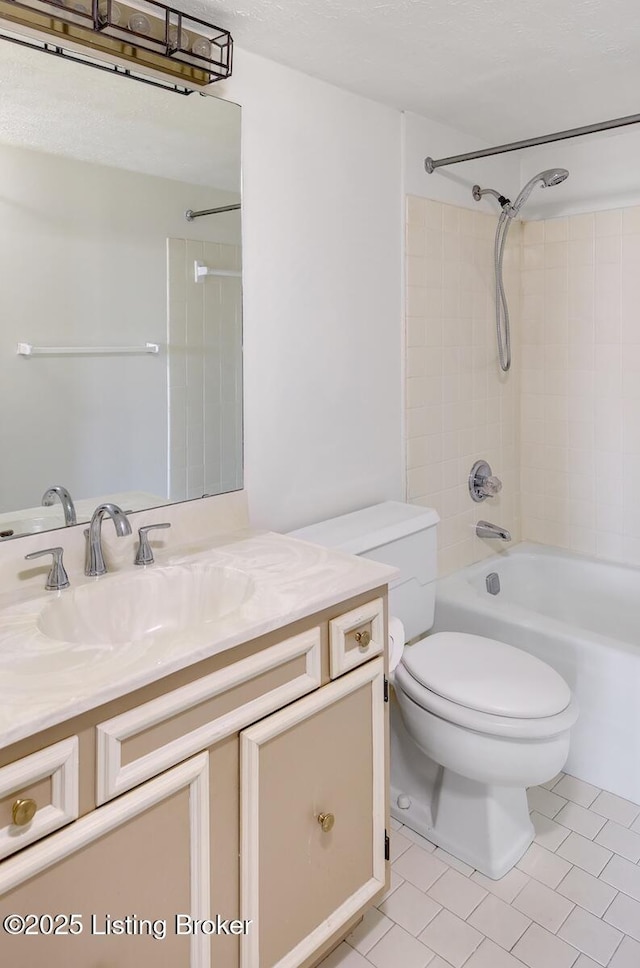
pixel 145 855
pixel 312 818
pixel 247 792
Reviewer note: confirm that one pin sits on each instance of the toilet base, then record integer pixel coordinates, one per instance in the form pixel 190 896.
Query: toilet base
pixel 487 827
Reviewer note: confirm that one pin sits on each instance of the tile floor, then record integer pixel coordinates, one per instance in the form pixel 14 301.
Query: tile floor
pixel 573 901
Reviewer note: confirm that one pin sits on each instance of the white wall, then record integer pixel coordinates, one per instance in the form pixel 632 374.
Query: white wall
pixel 322 230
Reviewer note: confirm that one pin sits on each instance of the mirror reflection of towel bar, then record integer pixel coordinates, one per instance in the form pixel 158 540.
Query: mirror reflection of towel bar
pixel 201 271
pixel 26 349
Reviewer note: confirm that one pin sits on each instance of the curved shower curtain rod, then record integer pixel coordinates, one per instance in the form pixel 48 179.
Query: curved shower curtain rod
pixel 431 164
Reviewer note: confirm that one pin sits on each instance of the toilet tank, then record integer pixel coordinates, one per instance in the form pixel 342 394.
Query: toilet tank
pixel 403 535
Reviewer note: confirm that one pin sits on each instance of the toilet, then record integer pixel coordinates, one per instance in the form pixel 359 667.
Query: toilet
pixel 474 721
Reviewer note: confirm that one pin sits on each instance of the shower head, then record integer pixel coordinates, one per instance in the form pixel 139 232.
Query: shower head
pixel 548 178
pixel 553 176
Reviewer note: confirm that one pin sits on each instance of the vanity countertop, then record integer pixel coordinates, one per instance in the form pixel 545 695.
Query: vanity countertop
pixel 44 681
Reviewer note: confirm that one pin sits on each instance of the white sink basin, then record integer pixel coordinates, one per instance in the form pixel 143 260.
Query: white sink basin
pixel 117 624
pixel 128 609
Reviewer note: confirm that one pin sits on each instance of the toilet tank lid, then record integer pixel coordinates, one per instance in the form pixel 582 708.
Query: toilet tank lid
pixel 362 531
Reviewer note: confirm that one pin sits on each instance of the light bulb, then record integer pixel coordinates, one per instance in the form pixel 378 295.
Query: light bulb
pixel 139 23
pixel 113 12
pixel 202 47
pixel 178 39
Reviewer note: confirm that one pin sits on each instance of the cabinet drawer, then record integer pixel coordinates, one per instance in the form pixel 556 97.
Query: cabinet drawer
pixel 356 637
pixel 143 742
pixel 48 781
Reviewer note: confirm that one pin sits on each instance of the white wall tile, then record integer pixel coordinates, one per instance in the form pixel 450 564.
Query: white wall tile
pixel 453 265
pixel 593 305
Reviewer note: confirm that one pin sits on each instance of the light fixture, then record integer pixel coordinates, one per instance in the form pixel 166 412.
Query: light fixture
pixel 152 40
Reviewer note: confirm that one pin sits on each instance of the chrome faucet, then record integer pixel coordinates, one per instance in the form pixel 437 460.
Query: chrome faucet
pixel 60 492
pixel 484 529
pixel 94 562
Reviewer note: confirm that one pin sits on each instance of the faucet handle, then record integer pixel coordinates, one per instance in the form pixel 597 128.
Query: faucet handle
pixel 57 578
pixel 482 481
pixel 491 485
pixel 144 554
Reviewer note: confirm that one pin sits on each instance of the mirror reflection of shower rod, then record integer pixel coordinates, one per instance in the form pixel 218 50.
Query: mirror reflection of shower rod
pixel 431 164
pixel 190 214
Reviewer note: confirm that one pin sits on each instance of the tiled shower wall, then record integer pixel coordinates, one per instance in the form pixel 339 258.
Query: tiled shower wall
pixel 460 407
pixel 205 370
pixel 581 383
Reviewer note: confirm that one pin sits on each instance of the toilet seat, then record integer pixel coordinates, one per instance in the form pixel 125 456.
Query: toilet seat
pixel 486 686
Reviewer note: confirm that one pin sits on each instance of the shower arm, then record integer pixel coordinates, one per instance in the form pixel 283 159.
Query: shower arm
pixel 478 192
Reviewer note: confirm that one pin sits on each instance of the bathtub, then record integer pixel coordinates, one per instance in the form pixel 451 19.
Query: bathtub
pixel 582 617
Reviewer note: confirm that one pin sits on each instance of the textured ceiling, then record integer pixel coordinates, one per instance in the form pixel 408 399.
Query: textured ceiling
pixel 500 69
pixel 53 105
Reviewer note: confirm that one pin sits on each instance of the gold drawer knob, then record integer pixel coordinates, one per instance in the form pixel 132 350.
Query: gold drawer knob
pixel 23 812
pixel 326 821
pixel 363 639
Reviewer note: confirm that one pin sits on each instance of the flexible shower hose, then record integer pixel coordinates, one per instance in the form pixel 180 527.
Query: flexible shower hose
pixel 503 328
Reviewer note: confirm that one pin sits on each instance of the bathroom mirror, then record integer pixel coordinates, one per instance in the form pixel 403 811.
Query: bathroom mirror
pixel 121 369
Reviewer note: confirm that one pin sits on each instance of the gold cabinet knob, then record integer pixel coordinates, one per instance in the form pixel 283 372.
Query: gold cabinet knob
pixel 363 639
pixel 23 812
pixel 326 821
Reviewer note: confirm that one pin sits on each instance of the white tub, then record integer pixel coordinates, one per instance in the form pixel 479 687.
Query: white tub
pixel 582 617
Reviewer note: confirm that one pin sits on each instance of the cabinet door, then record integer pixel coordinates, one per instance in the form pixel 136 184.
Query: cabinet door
pixel 140 860
pixel 322 758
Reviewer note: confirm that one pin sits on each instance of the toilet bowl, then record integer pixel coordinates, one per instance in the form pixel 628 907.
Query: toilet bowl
pixel 492 720
pixel 474 721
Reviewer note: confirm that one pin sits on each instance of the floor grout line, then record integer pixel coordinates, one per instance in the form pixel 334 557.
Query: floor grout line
pixel 415 958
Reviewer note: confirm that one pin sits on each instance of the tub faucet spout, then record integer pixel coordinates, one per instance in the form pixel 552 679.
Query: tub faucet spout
pixel 484 529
